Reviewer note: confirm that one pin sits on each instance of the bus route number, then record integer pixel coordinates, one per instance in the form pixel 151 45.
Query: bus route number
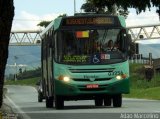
pixel 114 73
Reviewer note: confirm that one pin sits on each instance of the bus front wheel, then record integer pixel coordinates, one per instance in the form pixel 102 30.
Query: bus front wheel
pixel 98 101
pixel 117 100
pixel 107 100
pixel 40 97
pixel 49 102
pixel 59 102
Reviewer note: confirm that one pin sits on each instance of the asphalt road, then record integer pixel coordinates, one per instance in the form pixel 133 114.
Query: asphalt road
pixel 23 100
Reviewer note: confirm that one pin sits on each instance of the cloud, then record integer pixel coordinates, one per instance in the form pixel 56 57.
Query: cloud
pixel 144 18
pixel 29 21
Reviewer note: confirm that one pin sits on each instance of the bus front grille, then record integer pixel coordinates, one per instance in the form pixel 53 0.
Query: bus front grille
pixel 88 80
pixel 91 70
pixel 81 80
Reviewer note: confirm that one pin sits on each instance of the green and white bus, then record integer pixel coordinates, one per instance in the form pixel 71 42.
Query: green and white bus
pixel 84 57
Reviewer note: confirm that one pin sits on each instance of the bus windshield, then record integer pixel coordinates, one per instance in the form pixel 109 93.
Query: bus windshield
pixel 89 46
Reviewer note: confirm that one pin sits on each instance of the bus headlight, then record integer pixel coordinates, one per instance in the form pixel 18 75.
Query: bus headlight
pixel 120 77
pixel 64 78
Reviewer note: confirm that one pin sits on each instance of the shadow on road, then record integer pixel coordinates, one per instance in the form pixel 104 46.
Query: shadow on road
pixel 85 107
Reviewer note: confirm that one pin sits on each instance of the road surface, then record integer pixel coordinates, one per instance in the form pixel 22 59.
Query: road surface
pixel 23 100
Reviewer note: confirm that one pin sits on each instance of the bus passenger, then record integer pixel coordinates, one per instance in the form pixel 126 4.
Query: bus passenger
pixel 116 45
pixel 110 45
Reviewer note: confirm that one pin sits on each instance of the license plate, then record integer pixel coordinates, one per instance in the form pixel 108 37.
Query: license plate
pixel 92 86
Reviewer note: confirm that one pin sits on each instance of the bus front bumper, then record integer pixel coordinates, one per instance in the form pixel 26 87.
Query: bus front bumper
pixel 67 89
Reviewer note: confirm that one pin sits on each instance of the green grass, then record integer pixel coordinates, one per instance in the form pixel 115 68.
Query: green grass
pixel 30 82
pixel 149 93
pixel 138 80
pixel 140 87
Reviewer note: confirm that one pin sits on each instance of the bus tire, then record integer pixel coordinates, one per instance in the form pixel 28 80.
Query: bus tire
pixel 40 97
pixel 98 101
pixel 107 100
pixel 59 102
pixel 49 102
pixel 117 100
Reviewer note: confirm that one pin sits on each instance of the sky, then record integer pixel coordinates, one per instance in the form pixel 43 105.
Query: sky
pixel 28 13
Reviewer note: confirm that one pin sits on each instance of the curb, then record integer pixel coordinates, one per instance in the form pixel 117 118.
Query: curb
pixel 6 110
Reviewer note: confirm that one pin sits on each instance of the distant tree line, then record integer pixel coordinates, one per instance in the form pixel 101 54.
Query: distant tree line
pixel 26 74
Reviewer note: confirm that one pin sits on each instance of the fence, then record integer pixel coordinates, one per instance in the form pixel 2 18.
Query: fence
pixel 138 58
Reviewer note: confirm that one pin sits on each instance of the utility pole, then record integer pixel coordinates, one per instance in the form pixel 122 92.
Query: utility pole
pixel 15 76
pixel 16 67
pixel 74 6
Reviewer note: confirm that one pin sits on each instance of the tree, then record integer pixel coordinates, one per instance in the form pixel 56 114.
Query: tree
pixel 44 23
pixel 139 5
pixel 91 7
pixel 6 18
pixel 158 12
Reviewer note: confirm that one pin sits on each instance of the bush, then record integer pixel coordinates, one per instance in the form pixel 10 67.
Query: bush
pixel 138 79
pixel 29 74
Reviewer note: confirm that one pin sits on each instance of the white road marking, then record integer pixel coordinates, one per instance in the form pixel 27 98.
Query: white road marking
pixel 34 88
pixel 18 109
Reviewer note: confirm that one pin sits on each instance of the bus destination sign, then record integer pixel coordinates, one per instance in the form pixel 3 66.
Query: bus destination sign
pixel 89 21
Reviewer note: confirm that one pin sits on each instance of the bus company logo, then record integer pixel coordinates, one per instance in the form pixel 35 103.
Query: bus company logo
pixel 91 78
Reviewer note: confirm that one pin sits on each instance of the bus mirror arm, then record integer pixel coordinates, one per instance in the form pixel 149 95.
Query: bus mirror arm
pixel 124 45
pixel 128 41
